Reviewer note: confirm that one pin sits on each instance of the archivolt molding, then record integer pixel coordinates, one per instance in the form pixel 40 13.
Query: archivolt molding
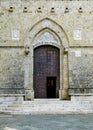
pixel 46 37
pixel 47 25
pixel 59 39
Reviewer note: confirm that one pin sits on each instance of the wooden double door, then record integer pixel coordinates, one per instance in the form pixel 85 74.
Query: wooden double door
pixel 46 72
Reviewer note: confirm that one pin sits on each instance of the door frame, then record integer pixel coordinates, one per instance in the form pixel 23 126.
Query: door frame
pixel 54 78
pixel 55 29
pixel 57 75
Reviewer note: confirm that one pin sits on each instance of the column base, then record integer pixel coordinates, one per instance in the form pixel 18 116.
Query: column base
pixel 29 95
pixel 63 94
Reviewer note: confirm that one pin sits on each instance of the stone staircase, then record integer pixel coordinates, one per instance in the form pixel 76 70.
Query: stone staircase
pixel 5 102
pixel 77 105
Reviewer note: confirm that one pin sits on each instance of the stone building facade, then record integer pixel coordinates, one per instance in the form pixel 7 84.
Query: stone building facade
pixel 46 48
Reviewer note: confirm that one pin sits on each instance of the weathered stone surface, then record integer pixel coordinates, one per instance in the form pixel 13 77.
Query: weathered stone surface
pixel 11 71
pixel 81 72
pixel 77 104
pixel 24 23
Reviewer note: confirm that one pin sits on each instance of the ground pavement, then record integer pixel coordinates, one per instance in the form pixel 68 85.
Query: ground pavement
pixel 46 122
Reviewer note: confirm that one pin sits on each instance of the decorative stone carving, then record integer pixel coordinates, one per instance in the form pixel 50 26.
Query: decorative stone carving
pixel 46 37
pixel 29 94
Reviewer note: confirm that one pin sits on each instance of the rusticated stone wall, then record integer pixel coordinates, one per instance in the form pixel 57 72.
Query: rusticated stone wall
pixel 27 24
pixel 80 71
pixel 11 71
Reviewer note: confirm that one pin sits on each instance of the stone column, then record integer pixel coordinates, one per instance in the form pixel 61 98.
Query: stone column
pixel 65 77
pixel 61 72
pixel 29 93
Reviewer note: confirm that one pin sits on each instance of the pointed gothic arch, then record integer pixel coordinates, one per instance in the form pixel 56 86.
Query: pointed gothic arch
pixel 46 37
pixel 47 25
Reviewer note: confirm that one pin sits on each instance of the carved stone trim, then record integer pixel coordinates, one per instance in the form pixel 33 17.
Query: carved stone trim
pixel 61 41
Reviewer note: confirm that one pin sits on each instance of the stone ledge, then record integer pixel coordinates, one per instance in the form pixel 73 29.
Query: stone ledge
pixel 12 95
pixel 80 91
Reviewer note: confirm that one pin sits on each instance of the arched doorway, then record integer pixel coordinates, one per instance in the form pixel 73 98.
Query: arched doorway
pixel 46 71
pixel 46 32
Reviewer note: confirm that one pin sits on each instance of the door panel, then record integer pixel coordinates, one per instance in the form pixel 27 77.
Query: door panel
pixel 46 64
pixel 51 87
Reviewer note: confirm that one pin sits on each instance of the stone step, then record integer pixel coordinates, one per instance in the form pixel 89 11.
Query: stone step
pixel 53 108
pixel 7 101
pixel 81 98
pixel 49 106
pixel 40 111
pixel 62 103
